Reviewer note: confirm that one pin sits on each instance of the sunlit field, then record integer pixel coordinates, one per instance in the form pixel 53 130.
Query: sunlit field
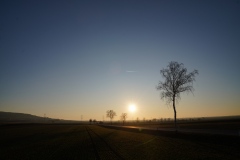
pixel 232 124
pixel 57 141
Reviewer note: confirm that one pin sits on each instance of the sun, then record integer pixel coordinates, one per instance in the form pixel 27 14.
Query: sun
pixel 132 107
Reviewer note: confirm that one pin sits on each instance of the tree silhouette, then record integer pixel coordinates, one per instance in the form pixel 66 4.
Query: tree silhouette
pixel 177 80
pixel 143 119
pixel 111 114
pixel 137 120
pixel 123 117
pixel 90 120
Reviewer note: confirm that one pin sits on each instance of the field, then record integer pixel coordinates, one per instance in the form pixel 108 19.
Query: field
pixel 72 141
pixel 232 123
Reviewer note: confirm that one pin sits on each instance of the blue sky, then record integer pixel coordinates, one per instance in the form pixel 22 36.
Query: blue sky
pixel 71 58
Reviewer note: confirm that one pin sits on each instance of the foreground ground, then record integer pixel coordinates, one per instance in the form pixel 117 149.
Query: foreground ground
pixel 96 142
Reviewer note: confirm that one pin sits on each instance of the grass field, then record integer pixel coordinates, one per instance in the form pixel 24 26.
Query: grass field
pixel 56 141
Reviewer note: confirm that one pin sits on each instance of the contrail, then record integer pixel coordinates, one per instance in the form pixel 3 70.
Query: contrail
pixel 131 71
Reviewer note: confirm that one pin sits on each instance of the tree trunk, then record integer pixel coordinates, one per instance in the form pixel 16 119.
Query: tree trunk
pixel 175 113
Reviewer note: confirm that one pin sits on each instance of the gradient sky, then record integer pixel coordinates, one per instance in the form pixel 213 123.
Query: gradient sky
pixel 72 58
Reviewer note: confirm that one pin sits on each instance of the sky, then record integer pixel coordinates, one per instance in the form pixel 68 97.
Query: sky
pixel 77 59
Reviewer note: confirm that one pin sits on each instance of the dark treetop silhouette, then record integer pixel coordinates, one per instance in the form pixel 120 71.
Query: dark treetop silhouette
pixel 111 114
pixel 123 117
pixel 177 80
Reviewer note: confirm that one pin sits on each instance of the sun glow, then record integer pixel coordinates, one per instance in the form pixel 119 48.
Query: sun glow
pixel 132 107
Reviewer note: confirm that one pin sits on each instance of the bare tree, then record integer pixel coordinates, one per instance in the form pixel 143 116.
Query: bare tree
pixel 111 114
pixel 177 80
pixel 137 120
pixel 123 117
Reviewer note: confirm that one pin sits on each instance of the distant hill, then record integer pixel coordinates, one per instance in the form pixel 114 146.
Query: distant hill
pixel 21 117
pixel 12 118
